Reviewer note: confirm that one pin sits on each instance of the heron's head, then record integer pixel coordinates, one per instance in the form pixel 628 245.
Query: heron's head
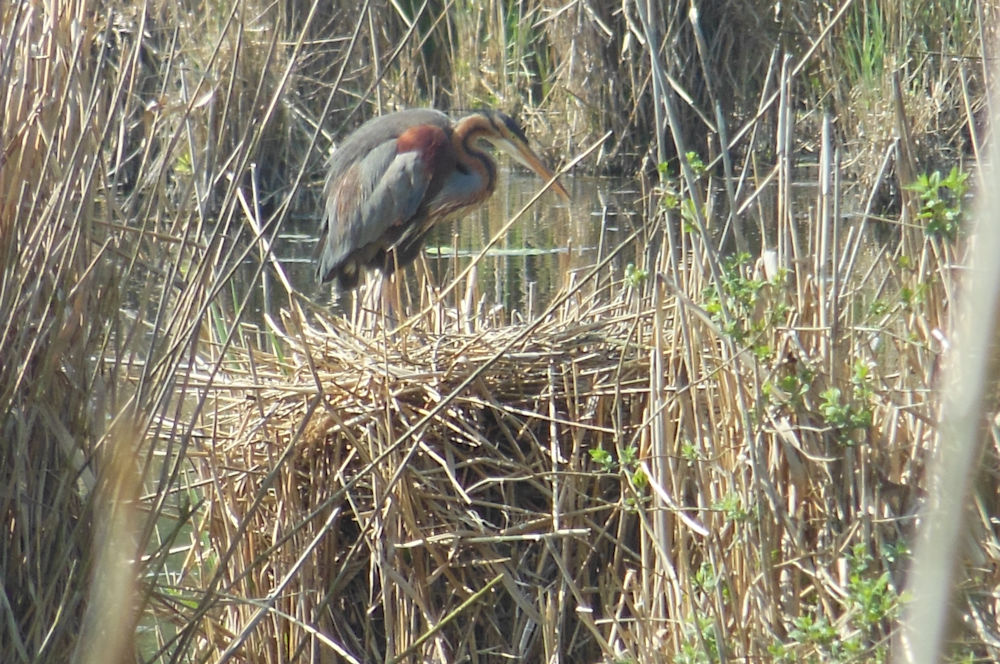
pixel 503 133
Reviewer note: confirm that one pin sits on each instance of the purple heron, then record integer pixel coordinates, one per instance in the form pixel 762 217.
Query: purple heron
pixel 399 174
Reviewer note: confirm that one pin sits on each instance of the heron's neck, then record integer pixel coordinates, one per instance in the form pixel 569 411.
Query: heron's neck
pixel 470 155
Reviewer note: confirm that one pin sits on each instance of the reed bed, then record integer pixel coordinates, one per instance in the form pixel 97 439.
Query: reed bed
pixel 633 475
pixel 710 447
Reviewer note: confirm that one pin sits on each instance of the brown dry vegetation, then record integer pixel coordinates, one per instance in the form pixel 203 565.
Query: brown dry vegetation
pixel 701 457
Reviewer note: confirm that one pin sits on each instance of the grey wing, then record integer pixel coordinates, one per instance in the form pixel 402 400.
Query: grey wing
pixel 367 200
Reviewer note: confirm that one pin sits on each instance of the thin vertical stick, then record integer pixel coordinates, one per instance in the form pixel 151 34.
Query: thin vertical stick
pixel 781 144
pixel 834 319
pixel 823 231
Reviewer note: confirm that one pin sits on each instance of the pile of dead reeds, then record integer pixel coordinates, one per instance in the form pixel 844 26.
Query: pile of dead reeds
pixel 429 484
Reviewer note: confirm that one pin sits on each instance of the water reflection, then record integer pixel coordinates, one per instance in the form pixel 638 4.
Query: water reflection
pixel 528 264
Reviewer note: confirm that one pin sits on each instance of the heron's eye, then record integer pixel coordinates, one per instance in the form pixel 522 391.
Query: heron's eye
pixel 515 129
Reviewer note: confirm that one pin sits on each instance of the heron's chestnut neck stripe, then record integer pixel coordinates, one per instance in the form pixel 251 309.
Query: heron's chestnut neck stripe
pixel 467 133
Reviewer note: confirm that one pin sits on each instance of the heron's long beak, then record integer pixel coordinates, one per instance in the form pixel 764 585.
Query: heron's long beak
pixel 527 158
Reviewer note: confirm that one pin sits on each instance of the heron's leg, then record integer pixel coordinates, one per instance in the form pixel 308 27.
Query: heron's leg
pixel 391 301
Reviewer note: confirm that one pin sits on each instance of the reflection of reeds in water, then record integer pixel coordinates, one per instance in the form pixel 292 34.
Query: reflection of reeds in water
pixel 698 458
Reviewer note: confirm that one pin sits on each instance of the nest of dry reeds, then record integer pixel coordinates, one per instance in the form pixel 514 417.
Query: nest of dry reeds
pixel 439 485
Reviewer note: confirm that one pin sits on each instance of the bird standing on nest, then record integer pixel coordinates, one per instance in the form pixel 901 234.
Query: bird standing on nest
pixel 398 175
